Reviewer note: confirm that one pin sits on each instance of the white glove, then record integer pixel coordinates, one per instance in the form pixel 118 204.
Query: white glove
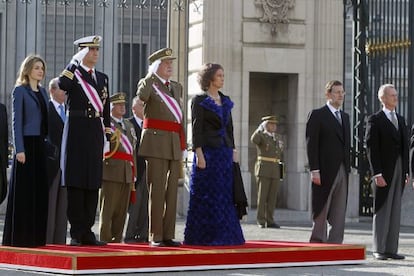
pixel 78 57
pixel 107 147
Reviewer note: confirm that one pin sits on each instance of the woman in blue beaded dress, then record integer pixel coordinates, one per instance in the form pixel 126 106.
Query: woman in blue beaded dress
pixel 212 218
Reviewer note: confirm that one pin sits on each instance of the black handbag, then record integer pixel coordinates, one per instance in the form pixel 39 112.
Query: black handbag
pixel 239 195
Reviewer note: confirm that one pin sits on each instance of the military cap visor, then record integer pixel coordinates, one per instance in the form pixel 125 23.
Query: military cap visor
pixel 162 54
pixel 118 98
pixel 270 119
pixel 88 41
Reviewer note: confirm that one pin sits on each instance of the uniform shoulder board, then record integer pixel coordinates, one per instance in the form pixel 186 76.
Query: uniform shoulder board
pixel 67 74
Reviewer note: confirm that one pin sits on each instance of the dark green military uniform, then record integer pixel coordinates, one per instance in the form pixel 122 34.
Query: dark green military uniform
pixel 267 172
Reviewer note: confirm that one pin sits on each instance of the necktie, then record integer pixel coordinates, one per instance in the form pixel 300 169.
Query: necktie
pixel 62 112
pixel 338 116
pixel 121 125
pixel 167 83
pixel 92 74
pixel 394 119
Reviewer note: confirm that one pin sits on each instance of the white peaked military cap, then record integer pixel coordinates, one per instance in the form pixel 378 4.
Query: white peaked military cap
pixel 88 41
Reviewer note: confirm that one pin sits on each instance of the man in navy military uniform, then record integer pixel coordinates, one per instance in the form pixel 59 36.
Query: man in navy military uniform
pixel 83 138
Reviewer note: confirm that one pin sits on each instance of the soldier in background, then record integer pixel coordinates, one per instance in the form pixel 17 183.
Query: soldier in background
pixel 118 173
pixel 267 170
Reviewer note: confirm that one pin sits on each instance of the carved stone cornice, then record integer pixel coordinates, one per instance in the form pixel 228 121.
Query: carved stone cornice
pixel 275 12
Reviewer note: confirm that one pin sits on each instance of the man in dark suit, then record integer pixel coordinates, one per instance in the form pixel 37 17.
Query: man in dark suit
pixel 137 228
pixel 57 219
pixel 83 138
pixel 162 145
pixel 328 147
pixel 387 151
pixel 4 151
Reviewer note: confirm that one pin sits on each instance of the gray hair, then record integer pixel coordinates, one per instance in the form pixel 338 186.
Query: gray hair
pixel 382 89
pixel 54 83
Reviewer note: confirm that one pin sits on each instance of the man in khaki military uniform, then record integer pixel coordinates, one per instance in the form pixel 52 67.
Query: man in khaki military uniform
pixel 162 145
pixel 118 173
pixel 267 170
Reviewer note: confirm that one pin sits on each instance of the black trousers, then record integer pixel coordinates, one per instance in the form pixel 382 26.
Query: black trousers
pixel 81 213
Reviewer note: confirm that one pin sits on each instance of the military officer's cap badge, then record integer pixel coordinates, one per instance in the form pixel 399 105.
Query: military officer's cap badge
pixel 270 119
pixel 119 97
pixel 162 54
pixel 88 41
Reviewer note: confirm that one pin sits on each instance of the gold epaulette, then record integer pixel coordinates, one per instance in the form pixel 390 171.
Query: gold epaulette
pixel 115 138
pixel 67 74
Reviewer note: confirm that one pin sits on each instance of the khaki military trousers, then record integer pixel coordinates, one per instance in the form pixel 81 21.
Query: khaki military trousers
pixel 162 179
pixel 266 199
pixel 114 201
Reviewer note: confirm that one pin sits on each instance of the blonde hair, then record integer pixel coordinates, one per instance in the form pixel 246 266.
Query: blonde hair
pixel 26 67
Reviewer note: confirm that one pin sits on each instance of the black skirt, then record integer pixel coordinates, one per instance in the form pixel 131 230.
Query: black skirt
pixel 27 206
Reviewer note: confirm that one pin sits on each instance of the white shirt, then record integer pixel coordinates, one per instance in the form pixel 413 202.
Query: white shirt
pixel 333 109
pixel 86 68
pixel 138 120
pixel 56 104
pixel 161 79
pixel 119 121
pixel 388 113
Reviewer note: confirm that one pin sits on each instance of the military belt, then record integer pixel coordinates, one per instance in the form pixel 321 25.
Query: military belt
pixel 268 159
pixel 85 113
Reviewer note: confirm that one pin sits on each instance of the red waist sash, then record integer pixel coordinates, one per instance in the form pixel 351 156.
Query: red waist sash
pixel 167 126
pixel 126 157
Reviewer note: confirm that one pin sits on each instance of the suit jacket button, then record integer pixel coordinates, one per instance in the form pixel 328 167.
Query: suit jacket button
pixel 90 116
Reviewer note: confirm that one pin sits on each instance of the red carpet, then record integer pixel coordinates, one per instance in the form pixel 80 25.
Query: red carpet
pixel 116 258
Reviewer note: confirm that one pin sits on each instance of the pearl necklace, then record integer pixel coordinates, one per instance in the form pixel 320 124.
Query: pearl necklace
pixel 217 98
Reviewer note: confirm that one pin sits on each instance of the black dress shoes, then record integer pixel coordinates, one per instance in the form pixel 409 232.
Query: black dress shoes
pixel 74 242
pixel 380 256
pixel 273 225
pixel 394 256
pixel 94 242
pixel 171 243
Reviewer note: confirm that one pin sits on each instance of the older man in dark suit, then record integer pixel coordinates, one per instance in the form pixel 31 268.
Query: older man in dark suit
pixel 387 150
pixel 137 228
pixel 4 152
pixel 328 146
pixel 57 219
pixel 83 138
pixel 162 144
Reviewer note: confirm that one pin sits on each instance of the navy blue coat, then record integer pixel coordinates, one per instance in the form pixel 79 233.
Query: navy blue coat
pixel 27 115
pixel 85 137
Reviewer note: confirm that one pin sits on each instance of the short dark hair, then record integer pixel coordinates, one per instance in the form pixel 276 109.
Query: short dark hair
pixel 206 74
pixel 331 84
